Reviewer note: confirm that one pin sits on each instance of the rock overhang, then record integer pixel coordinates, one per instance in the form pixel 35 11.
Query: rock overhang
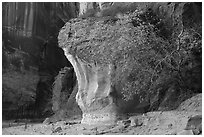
pixel 97 40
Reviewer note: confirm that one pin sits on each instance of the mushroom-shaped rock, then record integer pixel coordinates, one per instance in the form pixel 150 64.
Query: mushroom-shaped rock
pixel 113 59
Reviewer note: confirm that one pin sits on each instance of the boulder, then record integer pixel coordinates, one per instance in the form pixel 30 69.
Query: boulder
pixel 103 60
pixel 137 121
pixel 195 124
pixel 192 104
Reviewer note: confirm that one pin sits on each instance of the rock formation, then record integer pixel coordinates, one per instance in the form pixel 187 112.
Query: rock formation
pixel 98 97
pixel 120 61
pixel 63 100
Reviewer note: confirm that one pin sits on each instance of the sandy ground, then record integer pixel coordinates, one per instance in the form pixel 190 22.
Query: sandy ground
pixel 152 123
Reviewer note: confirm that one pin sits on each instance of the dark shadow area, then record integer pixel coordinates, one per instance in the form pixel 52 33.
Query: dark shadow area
pixel 31 58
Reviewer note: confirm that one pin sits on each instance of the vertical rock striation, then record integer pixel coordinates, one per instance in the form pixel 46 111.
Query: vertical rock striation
pixel 94 90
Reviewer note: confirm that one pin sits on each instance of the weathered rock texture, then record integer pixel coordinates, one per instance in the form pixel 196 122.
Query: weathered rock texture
pixel 122 61
pixel 94 89
pixel 64 90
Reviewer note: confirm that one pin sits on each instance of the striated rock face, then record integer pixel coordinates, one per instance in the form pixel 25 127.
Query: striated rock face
pixel 94 90
pixel 118 62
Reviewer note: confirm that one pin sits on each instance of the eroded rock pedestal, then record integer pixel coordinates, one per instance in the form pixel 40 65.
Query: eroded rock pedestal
pixel 102 69
pixel 119 62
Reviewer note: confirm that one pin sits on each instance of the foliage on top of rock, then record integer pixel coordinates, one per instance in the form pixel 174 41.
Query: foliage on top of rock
pixel 107 39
